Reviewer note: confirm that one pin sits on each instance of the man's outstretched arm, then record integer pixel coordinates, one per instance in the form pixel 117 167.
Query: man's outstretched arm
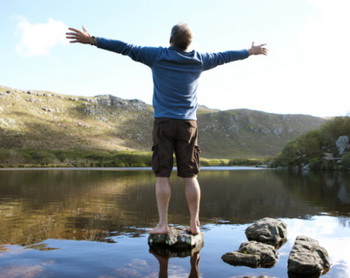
pixel 145 55
pixel 258 49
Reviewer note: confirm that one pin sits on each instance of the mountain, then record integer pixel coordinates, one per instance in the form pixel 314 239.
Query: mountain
pixel 38 120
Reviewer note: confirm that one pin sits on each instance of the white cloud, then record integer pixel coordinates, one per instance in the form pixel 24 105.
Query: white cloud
pixel 38 39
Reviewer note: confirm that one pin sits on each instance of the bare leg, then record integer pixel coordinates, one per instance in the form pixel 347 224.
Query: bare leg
pixel 163 264
pixel 193 196
pixel 194 266
pixel 163 197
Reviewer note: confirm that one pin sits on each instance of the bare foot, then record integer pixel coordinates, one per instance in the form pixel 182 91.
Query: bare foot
pixel 194 229
pixel 159 230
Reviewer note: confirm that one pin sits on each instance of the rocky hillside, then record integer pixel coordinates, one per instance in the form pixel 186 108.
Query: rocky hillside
pixel 36 120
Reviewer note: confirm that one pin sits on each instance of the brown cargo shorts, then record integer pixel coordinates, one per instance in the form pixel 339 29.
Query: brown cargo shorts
pixel 175 136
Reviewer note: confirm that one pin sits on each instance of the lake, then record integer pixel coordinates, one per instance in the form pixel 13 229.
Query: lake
pixel 95 222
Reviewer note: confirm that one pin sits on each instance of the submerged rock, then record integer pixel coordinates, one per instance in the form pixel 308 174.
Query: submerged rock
pixel 268 230
pixel 308 257
pixel 252 254
pixel 177 238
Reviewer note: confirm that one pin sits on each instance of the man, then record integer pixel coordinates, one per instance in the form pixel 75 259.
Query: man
pixel 175 77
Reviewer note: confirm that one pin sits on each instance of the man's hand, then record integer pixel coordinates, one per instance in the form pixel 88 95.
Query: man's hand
pixel 78 36
pixel 258 49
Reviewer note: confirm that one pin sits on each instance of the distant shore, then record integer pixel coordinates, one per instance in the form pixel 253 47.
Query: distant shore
pixel 204 168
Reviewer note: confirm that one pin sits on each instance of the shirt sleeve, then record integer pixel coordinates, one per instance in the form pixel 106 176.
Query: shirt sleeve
pixel 211 60
pixel 145 55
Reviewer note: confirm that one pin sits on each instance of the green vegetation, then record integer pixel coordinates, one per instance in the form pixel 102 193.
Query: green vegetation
pixel 79 158
pixel 317 149
pixel 48 129
pixel 36 120
pixel 75 158
pixel 249 161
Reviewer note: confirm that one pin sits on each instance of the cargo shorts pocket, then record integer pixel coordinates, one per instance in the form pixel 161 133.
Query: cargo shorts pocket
pixel 192 123
pixel 197 152
pixel 155 158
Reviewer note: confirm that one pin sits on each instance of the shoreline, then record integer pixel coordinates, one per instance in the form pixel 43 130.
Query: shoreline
pixel 204 168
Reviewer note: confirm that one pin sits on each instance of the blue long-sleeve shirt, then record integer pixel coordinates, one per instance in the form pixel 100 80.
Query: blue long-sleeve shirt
pixel 175 74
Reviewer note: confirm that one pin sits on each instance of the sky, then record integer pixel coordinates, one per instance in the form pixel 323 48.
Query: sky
pixel 305 72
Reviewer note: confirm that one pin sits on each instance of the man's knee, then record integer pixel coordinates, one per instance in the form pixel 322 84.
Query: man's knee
pixel 191 180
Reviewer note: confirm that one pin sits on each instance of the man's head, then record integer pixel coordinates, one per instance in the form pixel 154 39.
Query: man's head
pixel 181 36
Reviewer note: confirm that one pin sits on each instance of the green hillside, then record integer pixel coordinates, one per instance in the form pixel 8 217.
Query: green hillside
pixel 36 120
pixel 247 133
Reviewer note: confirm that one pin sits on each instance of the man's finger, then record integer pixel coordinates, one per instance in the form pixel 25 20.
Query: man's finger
pixel 71 34
pixel 75 30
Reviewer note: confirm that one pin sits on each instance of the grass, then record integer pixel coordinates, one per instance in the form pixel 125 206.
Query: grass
pixel 82 158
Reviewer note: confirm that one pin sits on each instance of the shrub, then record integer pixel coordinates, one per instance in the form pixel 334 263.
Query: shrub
pixel 310 147
pixel 44 157
pixel 11 157
pixel 346 161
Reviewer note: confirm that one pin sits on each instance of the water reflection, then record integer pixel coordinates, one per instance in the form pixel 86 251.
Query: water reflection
pixel 95 205
pixel 51 212
pixel 244 196
pixel 330 190
pixel 164 264
pixel 36 205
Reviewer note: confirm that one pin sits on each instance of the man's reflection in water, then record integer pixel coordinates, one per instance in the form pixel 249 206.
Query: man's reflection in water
pixel 194 265
pixel 164 262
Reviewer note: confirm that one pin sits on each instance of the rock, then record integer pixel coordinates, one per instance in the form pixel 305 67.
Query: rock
pixel 308 257
pixel 268 230
pixel 90 100
pixel 47 109
pixel 178 238
pixel 31 99
pixel 342 144
pixel 252 254
pixel 72 98
pixel 110 100
pixel 11 121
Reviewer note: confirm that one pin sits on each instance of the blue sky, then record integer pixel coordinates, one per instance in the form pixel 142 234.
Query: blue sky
pixel 306 71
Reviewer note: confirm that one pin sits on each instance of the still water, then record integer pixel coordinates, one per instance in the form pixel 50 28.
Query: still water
pixel 94 223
